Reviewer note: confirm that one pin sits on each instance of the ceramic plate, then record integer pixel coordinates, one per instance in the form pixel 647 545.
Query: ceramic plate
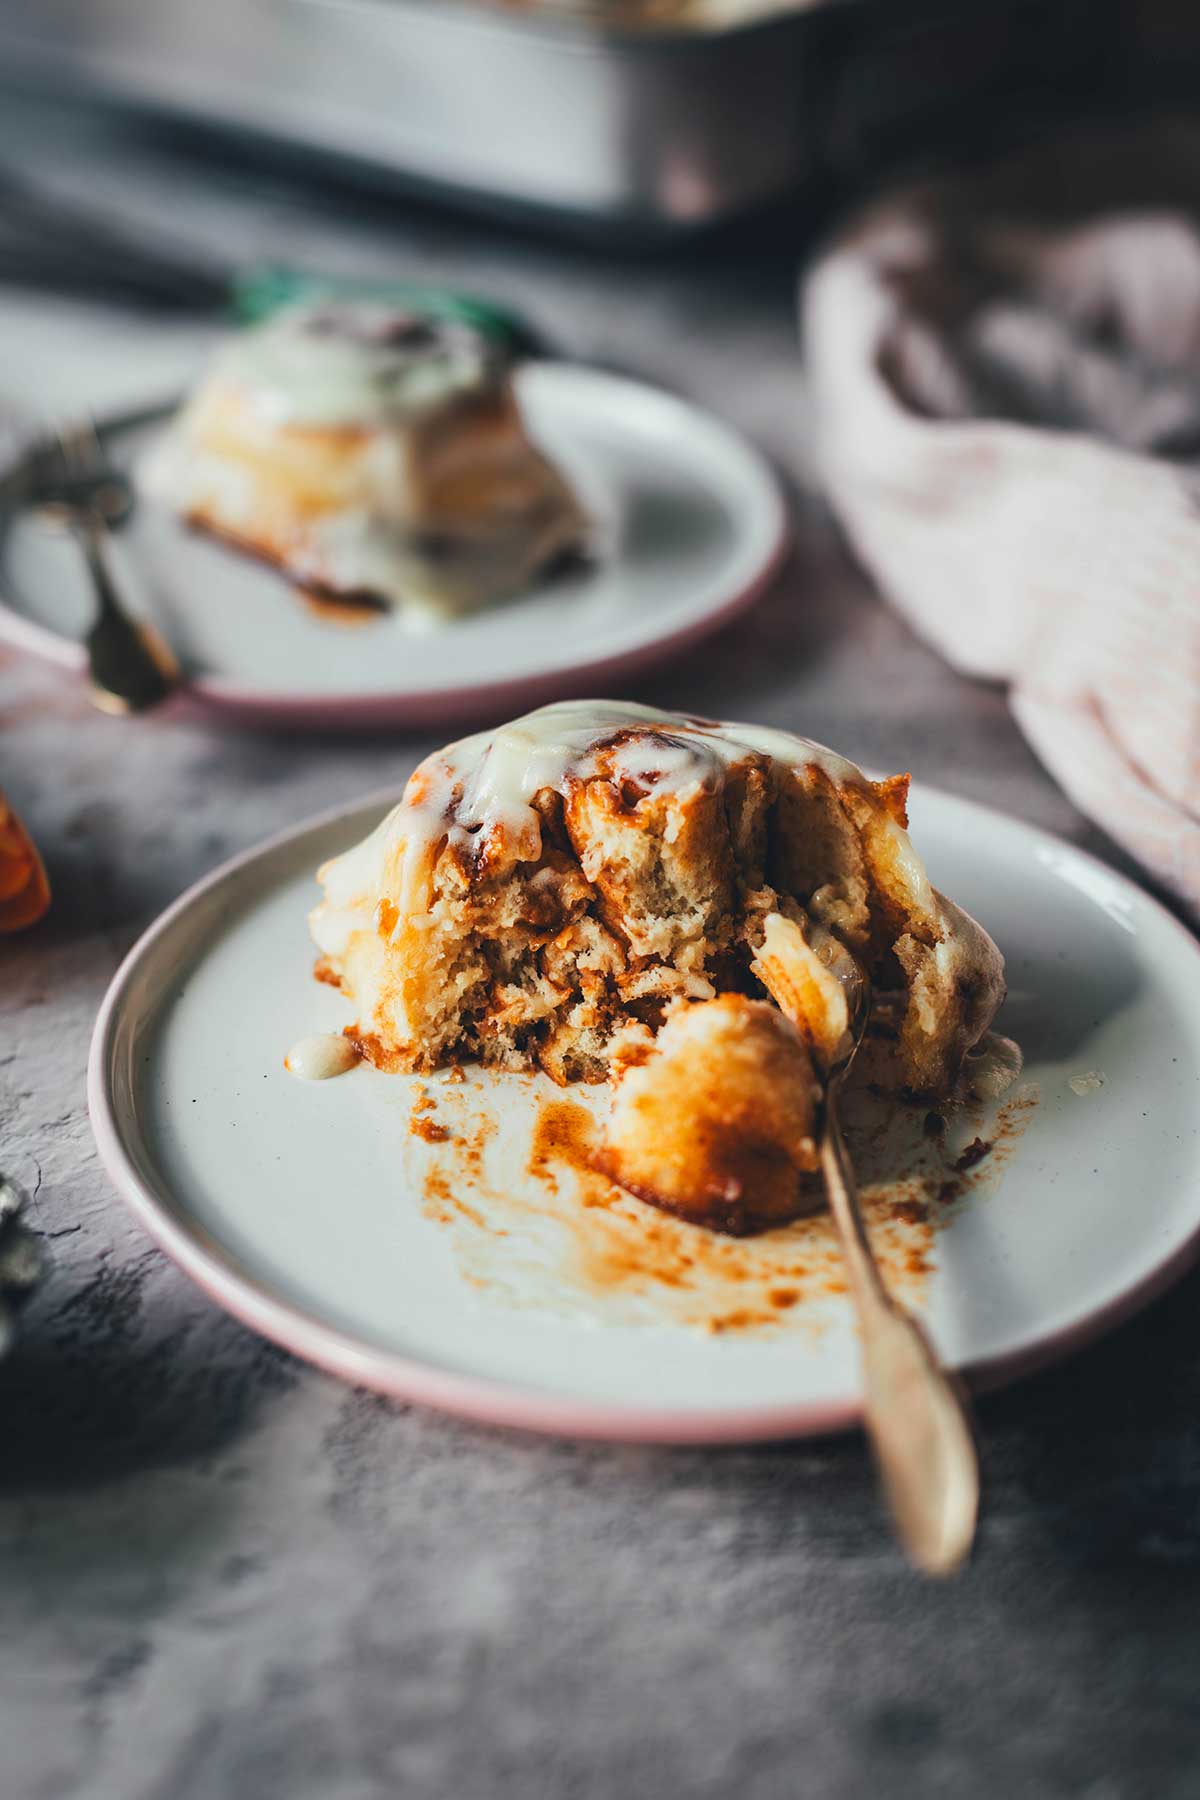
pixel 440 1240
pixel 690 527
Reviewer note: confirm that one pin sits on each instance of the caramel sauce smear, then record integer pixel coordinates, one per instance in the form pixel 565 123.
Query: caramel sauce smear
pixel 568 1240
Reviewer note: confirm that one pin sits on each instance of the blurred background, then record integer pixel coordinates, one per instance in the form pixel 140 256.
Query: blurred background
pixel 633 120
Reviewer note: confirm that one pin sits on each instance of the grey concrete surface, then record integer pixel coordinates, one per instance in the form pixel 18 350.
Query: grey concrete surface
pixel 224 1574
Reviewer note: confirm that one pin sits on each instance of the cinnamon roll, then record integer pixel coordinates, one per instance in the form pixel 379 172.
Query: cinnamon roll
pixel 370 453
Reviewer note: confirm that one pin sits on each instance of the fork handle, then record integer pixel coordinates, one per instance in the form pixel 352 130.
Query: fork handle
pixel 126 674
pixel 92 536
pixel 915 1412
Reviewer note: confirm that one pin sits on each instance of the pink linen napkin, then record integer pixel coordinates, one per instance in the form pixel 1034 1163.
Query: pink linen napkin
pixel 1006 387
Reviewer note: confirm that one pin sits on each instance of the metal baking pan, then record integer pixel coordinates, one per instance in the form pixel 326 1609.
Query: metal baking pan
pixel 635 128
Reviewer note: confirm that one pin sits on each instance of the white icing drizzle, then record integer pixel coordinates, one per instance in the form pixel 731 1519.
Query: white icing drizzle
pixel 993 1065
pixel 502 771
pixel 487 782
pixel 320 1057
pixel 356 362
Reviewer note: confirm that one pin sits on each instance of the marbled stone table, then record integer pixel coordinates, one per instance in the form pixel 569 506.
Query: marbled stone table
pixel 224 1574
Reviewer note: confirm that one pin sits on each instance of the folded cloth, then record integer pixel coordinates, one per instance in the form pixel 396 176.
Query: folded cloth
pixel 24 890
pixel 1006 391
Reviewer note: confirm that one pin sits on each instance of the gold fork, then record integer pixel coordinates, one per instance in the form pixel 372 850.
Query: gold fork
pixel 914 1410
pixel 129 664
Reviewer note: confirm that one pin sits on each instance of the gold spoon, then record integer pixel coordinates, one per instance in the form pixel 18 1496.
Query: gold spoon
pixel 915 1412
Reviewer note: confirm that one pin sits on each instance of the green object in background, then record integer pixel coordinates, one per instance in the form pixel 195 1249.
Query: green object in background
pixel 65 246
pixel 256 293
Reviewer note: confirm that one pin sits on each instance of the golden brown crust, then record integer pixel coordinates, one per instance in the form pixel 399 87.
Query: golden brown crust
pixel 353 605
pixel 718 1126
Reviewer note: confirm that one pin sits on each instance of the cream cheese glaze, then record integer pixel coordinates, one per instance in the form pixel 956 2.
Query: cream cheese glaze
pixel 488 781
pixel 357 363
pixel 993 1065
pixel 321 1057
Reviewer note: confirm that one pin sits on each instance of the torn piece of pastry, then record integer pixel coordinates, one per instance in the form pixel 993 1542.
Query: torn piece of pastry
pixel 551 893
pixel 370 453
pixel 816 982
pixel 24 889
pixel 719 1125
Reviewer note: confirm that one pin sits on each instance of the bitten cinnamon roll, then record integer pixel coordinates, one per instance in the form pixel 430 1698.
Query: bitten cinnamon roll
pixel 560 893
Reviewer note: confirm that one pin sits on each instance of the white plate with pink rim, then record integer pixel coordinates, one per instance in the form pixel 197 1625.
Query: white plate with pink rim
pixel 437 1241
pixel 690 527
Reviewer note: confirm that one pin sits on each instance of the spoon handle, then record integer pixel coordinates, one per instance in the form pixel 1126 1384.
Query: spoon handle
pixel 915 1413
pixel 130 667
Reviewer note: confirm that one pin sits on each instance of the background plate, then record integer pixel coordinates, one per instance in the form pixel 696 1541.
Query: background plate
pixel 691 523
pixel 298 1207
